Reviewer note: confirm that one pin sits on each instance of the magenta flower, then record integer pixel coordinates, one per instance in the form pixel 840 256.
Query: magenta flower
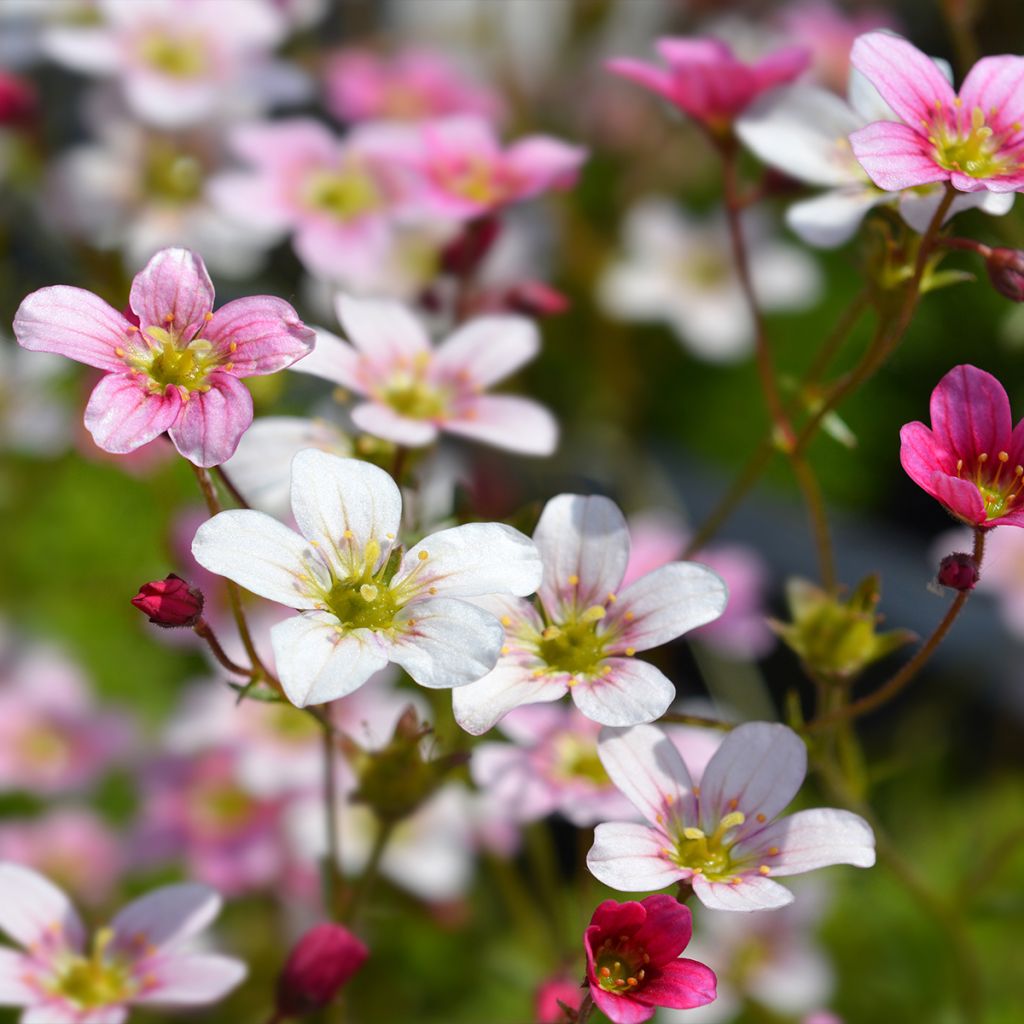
pixel 633 962
pixel 178 366
pixel 972 459
pixel 706 81
pixel 139 958
pixel 974 140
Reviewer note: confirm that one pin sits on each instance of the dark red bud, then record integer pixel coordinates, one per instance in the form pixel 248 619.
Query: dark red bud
pixel 465 252
pixel 18 101
pixel 321 962
pixel 1006 272
pixel 170 602
pixel 535 298
pixel 959 571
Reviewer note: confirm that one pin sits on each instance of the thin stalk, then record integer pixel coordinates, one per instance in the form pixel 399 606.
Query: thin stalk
pixel 361 893
pixel 332 871
pixel 229 486
pixel 585 1010
pixel 202 629
pixel 811 491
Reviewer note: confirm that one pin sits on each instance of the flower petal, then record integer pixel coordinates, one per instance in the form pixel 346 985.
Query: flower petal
pixel 666 930
pixel 383 421
pixel 665 604
pixel 265 331
pixel 74 323
pixel 630 693
pixel 832 219
pixel 381 329
pixel 343 504
pixel 316 663
pixel 192 980
pixel 14 990
pixel 812 839
pixel 921 454
pixel 164 918
pixel 895 156
pixel 262 555
pixel 487 349
pixel 680 985
pixel 212 422
pixel 31 907
pixel 481 705
pixel 620 1009
pixel 757 770
pixel 507 421
pixel 584 543
pixel 172 291
pixel 630 857
pixel 749 893
pixel 334 360
pixel 995 85
pixel 961 497
pixel 123 415
pixel 970 413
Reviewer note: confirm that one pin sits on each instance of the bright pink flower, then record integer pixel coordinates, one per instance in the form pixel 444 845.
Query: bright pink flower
pixel 633 962
pixel 551 998
pixel 140 958
pixel 409 86
pixel 972 458
pixel 322 961
pixel 179 367
pixel 706 81
pixel 974 140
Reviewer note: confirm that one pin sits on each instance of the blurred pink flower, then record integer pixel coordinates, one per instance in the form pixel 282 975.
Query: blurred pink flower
pixel 971 458
pixel 408 86
pixel 553 992
pixel 179 367
pixel 138 959
pixel 973 140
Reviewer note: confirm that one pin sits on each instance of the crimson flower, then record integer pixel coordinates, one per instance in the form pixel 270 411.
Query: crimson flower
pixel 633 960
pixel 972 458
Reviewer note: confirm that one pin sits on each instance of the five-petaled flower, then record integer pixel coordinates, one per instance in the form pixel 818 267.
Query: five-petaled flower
pixel 583 635
pixel 972 458
pixel 723 837
pixel 974 140
pixel 413 391
pixel 178 367
pixel 141 957
pixel 363 601
pixel 633 962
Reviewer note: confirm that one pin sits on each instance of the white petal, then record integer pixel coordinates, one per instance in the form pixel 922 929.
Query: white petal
pixel 581 539
pixel 667 603
pixel 758 769
pixel 446 643
pixel 917 206
pixel 93 51
pixel 165 917
pixel 483 704
pixel 507 421
pixel 648 769
pixel 13 990
pixel 383 421
pixel 385 331
pixel 829 220
pixel 472 561
pixel 631 693
pixel 814 839
pixel 192 980
pixel 31 905
pixel 332 359
pixel 262 555
pixel 488 349
pixel 630 857
pixel 751 892
pixel 316 663
pixel 342 504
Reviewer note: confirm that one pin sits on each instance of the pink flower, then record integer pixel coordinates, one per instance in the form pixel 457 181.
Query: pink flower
pixel 551 998
pixel 633 962
pixel 706 81
pixel 177 368
pixel 723 837
pixel 461 171
pixel 415 391
pixel 408 86
pixel 138 959
pixel 971 459
pixel 973 140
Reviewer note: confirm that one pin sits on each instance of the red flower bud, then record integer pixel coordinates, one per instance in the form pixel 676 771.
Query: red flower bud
pixel 18 101
pixel 535 298
pixel 465 252
pixel 958 571
pixel 321 962
pixel 170 602
pixel 1006 272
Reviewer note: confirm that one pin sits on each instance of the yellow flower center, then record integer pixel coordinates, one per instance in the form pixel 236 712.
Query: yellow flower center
pixel 999 486
pixel 708 854
pixel 345 194
pixel 178 56
pixel 167 362
pixel 575 646
pixel 89 983
pixel 970 146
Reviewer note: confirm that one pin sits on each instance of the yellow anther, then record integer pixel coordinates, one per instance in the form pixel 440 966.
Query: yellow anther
pixel 693 833
pixel 432 591
pixel 605 973
pixel 773 851
pixel 314 543
pixel 732 821
pixel 629 616
pixel 168 318
pixel 983 457
pixel 640 974
pixel 504 649
pixel 228 367
pixel 573 580
pixel 390 536
pixel 632 982
pixel 348 535
pixel 506 620
pixel 764 870
pixel 733 804
pixel 551 633
pixel 630 651
pixel 132 329
pixel 119 352
pixel 369 592
pixel 423 556
pixel 611 598
pixel 594 613
pixel 1004 457
pixel 605 669
pixel 761 819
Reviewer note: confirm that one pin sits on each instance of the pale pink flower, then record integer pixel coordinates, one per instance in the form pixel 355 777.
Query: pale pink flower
pixel 179 368
pixel 410 85
pixel 179 61
pixel 723 837
pixel 974 140
pixel 582 635
pixel 414 391
pixel 142 957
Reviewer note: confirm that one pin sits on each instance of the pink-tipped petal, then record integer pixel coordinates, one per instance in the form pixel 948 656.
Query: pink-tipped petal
pixel 680 985
pixel 383 330
pixel 538 163
pixel 507 421
pixel 172 291
pixel 192 980
pixel 123 415
pixel 961 497
pixel 265 332
pixel 620 1009
pixel 631 858
pixel 383 421
pixel 895 156
pixel 749 893
pixel 647 75
pixel 32 907
pixel 813 839
pixel 996 86
pixel 970 413
pixel 74 323
pixel 907 79
pixel 212 422
pixel 14 988
pixel 488 349
pixel 481 705
pixel 921 454
pixel 165 917
pixel 333 360
pixel 630 693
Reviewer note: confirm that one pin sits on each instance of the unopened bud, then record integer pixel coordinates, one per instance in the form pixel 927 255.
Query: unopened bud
pixel 170 602
pixel 18 101
pixel 322 961
pixel 1006 272
pixel 535 298
pixel 466 251
pixel 959 571
pixel 557 1001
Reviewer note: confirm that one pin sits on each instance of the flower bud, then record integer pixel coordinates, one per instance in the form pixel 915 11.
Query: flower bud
pixel 535 298
pixel 321 962
pixel 170 602
pixel 1006 272
pixel 18 100
pixel 958 571
pixel 553 997
pixel 466 251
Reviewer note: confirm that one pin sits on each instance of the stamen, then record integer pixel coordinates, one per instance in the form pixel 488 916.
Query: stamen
pixel 573 580
pixel 369 592
pixel 423 556
pixel 594 613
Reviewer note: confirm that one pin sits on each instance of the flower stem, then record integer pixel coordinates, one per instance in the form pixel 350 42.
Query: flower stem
pixel 679 718
pixel 202 629
pixel 332 869
pixel 585 1010
pixel 229 486
pixel 362 891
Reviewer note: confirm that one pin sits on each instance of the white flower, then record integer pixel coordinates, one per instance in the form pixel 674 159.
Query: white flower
pixel 362 600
